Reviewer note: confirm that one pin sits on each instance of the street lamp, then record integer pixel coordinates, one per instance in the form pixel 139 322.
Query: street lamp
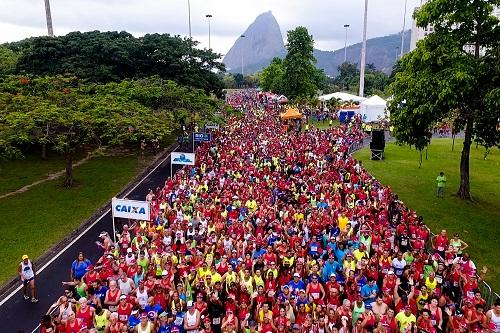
pixel 403 32
pixel 345 44
pixel 189 17
pixel 209 16
pixel 242 71
pixel 363 54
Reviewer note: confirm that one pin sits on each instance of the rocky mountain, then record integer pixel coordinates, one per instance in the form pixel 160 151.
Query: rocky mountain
pixel 263 41
pixel 380 51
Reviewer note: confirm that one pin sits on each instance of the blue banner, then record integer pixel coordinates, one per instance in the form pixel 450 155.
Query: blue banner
pixel 202 137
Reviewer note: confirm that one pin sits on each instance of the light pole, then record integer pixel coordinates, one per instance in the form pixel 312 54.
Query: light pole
pixel 48 18
pixel 189 17
pixel 209 16
pixel 363 54
pixel 242 71
pixel 345 44
pixel 403 32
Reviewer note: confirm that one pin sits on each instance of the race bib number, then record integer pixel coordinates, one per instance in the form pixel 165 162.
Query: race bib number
pixel 404 242
pixel 216 321
pixel 178 321
pixel 439 279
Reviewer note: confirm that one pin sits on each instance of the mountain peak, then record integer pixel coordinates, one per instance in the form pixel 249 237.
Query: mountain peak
pixel 263 40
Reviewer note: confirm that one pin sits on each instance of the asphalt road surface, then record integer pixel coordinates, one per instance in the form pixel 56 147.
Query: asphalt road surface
pixel 18 315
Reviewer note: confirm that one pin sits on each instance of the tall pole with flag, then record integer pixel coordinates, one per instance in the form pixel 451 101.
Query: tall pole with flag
pixel 363 54
pixel 189 17
pixel 403 32
pixel 48 18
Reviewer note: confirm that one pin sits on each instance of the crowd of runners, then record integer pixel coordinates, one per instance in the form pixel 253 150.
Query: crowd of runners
pixel 274 230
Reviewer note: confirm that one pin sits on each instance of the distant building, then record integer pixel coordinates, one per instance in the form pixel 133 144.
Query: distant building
pixel 418 33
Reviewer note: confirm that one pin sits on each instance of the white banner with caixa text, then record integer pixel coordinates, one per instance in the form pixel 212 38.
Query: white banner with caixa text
pixel 130 209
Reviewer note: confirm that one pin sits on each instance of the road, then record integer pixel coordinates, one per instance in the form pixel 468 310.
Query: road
pixel 19 315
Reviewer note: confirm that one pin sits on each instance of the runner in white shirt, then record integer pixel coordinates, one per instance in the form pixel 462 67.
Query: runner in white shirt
pixel 27 275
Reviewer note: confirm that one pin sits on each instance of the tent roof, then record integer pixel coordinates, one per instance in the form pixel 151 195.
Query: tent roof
pixel 291 113
pixel 375 100
pixel 342 96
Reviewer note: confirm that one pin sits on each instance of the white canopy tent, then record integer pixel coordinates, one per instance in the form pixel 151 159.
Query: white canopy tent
pixel 373 109
pixel 345 97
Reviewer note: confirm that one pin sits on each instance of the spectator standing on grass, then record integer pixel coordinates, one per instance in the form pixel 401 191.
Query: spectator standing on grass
pixel 441 183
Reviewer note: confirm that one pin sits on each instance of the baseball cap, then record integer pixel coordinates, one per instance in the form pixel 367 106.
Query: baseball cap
pixel 143 315
pixel 189 304
pixel 123 297
pixel 296 327
pixel 296 275
pixel 164 273
pixel 25 257
pixel 129 250
pixel 390 272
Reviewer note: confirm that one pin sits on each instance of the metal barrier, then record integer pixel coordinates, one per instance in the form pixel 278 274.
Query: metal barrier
pixel 355 146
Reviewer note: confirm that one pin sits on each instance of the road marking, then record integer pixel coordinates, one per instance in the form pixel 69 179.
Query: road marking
pixel 38 271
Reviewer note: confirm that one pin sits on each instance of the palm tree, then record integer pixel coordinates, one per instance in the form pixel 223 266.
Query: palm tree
pixel 48 17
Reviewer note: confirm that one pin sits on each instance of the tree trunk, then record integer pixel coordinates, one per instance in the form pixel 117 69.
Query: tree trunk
pixel 464 190
pixel 453 142
pixel 68 181
pixel 44 151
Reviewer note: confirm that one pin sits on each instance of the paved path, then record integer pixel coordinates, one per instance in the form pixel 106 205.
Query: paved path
pixel 18 315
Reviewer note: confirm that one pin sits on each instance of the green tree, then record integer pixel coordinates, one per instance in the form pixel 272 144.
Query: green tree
pixel 440 77
pixel 113 56
pixel 229 81
pixel 348 76
pixel 64 114
pixel 375 81
pixel 8 60
pixel 272 77
pixel 300 76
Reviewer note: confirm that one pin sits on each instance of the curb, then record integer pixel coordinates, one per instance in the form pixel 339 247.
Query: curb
pixel 47 255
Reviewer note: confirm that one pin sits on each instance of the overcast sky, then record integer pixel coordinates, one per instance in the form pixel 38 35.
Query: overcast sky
pixel 324 18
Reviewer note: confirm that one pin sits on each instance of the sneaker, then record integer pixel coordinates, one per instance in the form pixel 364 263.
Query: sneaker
pixel 26 297
pixel 34 300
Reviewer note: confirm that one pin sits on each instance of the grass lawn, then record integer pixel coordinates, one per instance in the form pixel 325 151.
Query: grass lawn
pixel 321 125
pixel 31 223
pixel 15 174
pixel 476 222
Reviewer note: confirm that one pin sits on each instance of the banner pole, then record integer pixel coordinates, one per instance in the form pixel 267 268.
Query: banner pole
pixel 113 217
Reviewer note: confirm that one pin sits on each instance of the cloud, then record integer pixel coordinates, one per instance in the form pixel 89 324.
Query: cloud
pixel 324 18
